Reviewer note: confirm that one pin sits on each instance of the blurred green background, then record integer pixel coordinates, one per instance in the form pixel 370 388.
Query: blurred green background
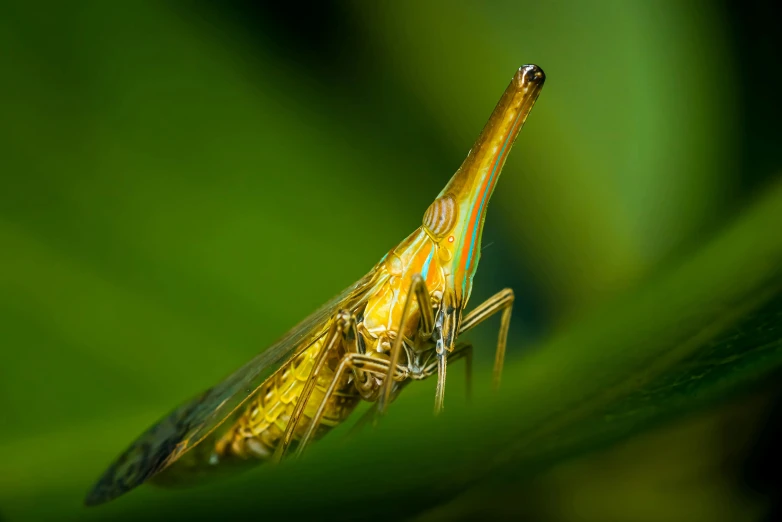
pixel 182 182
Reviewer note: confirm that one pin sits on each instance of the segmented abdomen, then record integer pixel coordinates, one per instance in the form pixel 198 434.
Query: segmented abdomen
pixel 261 427
pixel 254 432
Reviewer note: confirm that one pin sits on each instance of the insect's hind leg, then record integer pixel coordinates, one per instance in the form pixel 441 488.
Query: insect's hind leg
pixel 341 332
pixel 501 301
pixel 357 363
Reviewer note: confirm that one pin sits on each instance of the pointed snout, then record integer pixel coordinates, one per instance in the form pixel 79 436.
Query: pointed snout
pixel 529 75
pixel 473 184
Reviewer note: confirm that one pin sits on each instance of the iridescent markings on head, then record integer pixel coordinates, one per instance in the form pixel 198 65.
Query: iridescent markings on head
pixel 473 184
pixel 440 217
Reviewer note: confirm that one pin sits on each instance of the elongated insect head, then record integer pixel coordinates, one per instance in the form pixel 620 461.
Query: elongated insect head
pixel 456 217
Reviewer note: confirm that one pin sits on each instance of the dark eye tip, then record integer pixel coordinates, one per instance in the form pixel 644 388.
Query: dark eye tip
pixel 532 74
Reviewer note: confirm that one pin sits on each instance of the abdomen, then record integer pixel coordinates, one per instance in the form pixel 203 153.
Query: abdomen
pixel 253 433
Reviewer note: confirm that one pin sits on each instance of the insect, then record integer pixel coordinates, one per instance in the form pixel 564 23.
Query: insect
pixel 398 323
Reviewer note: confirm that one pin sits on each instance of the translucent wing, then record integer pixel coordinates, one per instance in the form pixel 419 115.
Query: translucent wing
pixel 190 423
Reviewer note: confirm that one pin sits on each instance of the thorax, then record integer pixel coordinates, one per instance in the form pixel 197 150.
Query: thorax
pixel 381 322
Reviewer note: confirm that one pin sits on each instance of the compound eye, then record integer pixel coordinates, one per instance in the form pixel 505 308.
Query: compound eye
pixel 440 217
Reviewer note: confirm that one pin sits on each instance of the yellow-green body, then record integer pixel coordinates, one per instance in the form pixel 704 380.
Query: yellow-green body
pixel 256 430
pixel 398 323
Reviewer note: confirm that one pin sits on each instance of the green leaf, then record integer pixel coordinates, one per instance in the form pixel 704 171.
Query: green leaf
pixel 686 339
pixel 177 198
pixel 692 336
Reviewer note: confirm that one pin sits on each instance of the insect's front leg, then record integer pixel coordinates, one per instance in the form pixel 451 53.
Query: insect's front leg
pixel 462 351
pixel 501 301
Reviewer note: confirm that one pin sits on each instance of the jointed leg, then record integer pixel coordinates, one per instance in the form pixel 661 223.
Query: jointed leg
pixel 419 292
pixel 462 351
pixel 439 394
pixel 334 337
pixel 351 361
pixel 501 301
